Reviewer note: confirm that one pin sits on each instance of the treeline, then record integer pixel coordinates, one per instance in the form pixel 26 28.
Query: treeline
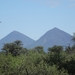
pixel 16 60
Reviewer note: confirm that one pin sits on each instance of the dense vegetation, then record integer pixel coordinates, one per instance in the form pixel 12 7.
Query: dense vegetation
pixel 16 60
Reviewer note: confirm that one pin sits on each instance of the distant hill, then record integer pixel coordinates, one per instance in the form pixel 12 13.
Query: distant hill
pixel 53 37
pixel 15 35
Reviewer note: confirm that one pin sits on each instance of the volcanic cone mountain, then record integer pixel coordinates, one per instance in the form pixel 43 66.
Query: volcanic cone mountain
pixel 15 35
pixel 53 37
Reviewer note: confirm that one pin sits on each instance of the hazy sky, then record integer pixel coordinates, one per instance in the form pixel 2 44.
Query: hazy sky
pixel 35 17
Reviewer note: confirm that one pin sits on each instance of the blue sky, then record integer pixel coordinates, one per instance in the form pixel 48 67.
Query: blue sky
pixel 35 17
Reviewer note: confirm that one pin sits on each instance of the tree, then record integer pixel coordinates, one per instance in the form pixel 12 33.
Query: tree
pixel 13 48
pixel 39 49
pixel 18 42
pixel 55 55
pixel 73 39
pixel 56 49
pixel 71 48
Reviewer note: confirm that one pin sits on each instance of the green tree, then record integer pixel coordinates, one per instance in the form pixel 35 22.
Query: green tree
pixel 39 49
pixel 18 42
pixel 71 49
pixel 14 48
pixel 73 39
pixel 56 49
pixel 55 56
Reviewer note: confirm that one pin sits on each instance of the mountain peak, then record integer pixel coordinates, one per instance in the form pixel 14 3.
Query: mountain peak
pixel 15 31
pixel 55 28
pixel 15 35
pixel 53 37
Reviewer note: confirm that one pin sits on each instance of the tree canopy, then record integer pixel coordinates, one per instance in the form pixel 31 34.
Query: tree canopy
pixel 56 61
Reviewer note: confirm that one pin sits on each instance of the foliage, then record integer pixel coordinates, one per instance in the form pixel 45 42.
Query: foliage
pixel 14 48
pixel 35 61
pixel 73 38
pixel 27 65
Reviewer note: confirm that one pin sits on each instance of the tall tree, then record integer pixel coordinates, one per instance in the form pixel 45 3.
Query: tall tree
pixel 13 48
pixel 18 42
pixel 73 38
pixel 39 49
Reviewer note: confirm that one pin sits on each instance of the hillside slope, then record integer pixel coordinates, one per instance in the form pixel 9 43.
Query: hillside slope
pixel 15 35
pixel 53 37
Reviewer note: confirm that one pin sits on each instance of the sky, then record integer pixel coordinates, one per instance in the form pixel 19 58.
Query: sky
pixel 35 17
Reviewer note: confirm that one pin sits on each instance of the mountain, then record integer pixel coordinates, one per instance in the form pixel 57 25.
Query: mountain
pixel 15 35
pixel 53 37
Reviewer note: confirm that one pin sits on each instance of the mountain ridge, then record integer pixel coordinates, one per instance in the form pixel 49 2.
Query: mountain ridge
pixel 52 37
pixel 15 35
